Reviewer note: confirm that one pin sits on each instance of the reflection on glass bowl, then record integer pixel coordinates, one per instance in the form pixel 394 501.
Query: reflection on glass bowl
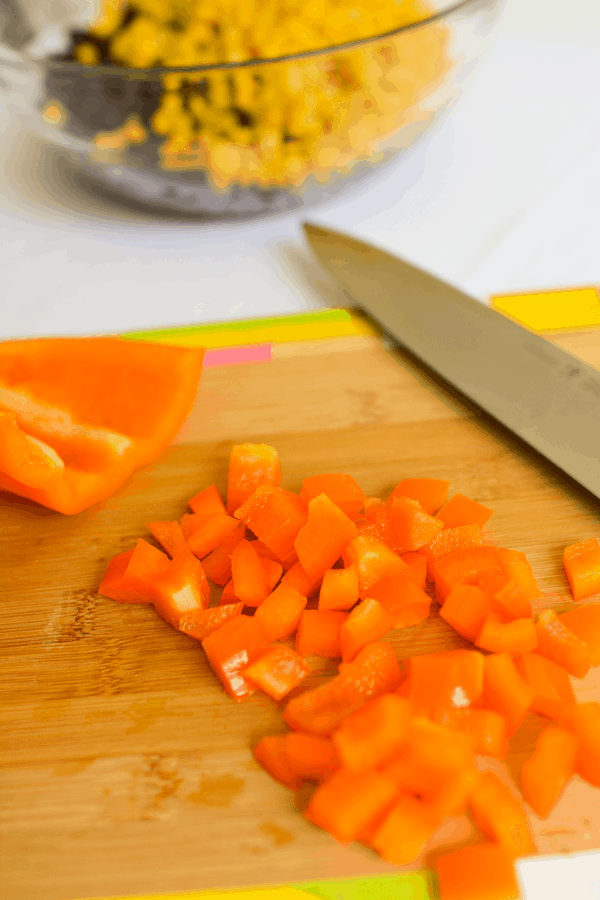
pixel 241 138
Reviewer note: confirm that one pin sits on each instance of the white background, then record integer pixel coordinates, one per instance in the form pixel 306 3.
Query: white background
pixel 503 194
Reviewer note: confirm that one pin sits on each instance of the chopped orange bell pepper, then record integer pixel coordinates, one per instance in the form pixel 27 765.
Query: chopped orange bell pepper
pixel 130 576
pixel 230 649
pixel 497 635
pixel 181 588
pixel 582 565
pixel 339 589
pixel 586 725
pixel 510 600
pixel 372 735
pixel 461 510
pixel 271 754
pixel 79 415
pixel 312 757
pixel 320 542
pixel 403 599
pixel 217 564
pixel 228 595
pixel 374 561
pixel 478 872
pixel 277 671
pixel 250 466
pixel 468 566
pixel 373 671
pixel 411 526
pixel 518 569
pixel 431 493
pixel 318 633
pixel 500 815
pixel 453 678
pixel 207 502
pixel 275 516
pixel 584 622
pixel 545 773
pixel 202 622
pixel 377 523
pixel 249 575
pixel 505 690
pixel 297 578
pixel 405 830
pixel 169 535
pixel 466 608
pixel 367 622
pixel 447 541
pixel 204 533
pixel 349 801
pixel 553 693
pixel 342 489
pixel 279 614
pixel 558 643
pixel 487 727
pixel 417 564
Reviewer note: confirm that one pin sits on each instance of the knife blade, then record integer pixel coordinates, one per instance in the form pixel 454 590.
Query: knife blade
pixel 545 395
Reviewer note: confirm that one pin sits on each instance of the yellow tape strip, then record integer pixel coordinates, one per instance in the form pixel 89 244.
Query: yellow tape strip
pixel 577 309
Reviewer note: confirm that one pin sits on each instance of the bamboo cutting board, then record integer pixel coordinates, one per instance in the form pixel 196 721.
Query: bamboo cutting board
pixel 125 767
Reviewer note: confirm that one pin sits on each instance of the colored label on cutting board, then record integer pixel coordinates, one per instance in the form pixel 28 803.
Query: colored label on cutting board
pixel 411 886
pixel 552 311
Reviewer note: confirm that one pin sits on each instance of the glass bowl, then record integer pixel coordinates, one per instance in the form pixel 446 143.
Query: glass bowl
pixel 268 135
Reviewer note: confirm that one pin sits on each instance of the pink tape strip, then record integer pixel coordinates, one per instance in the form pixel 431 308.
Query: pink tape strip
pixel 236 356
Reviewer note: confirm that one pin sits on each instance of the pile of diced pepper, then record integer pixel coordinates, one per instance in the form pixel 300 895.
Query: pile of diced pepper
pixel 389 746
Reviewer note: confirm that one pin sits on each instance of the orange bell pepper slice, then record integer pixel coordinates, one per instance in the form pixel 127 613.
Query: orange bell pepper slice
pixel 130 576
pixel 275 516
pixel 417 564
pixel 230 649
pixel 279 614
pixel 461 510
pixel 271 754
pixel 546 772
pixel 518 569
pixel 207 502
pixel 79 415
pixel 584 622
pixel 373 560
pixel 510 600
pixel 553 693
pixel 482 871
pixel 250 466
pixel 447 541
pixel 367 622
pixel 487 727
pixel 372 735
pixel 341 489
pixel 505 690
pixel 277 671
pixel 582 566
pixel 405 830
pixel 249 575
pixel 500 815
pixel 453 678
pixel 412 527
pixel 466 608
pixel 297 578
pixel 431 493
pixel 169 535
pixel 339 588
pixel 558 643
pixel 202 622
pixel 349 801
pixel 373 671
pixel 320 542
pixel 314 758
pixel 181 588
pixel 318 633
pixel 499 636
pixel 586 725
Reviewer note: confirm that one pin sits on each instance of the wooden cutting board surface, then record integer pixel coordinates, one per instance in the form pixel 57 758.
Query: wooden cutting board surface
pixel 125 768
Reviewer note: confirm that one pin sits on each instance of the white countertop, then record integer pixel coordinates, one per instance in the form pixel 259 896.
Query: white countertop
pixel 503 194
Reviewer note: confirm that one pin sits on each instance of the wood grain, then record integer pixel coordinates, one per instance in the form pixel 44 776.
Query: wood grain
pixel 125 768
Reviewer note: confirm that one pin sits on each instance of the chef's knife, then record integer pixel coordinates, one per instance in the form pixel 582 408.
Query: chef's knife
pixel 543 394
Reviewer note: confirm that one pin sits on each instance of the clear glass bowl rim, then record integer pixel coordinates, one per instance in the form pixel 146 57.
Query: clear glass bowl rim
pixel 152 73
